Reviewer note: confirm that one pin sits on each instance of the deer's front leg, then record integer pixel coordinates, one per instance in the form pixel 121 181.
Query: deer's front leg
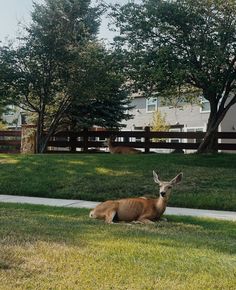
pixel 145 221
pixel 110 216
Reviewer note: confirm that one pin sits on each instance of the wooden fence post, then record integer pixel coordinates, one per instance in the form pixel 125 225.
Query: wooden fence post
pixel 85 140
pixel 73 140
pixel 147 139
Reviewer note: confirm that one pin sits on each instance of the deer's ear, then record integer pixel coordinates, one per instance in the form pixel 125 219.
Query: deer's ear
pixel 156 177
pixel 177 179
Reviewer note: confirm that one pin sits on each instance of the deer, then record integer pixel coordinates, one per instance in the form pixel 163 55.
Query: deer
pixel 141 210
pixel 120 149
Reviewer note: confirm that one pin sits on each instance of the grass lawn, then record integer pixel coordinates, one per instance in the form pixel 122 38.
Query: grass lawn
pixel 209 180
pixel 56 248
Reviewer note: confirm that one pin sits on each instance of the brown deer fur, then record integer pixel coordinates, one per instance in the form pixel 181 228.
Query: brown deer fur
pixel 120 149
pixel 140 209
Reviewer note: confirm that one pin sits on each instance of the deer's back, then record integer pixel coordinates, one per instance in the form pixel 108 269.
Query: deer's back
pixel 131 209
pixel 124 150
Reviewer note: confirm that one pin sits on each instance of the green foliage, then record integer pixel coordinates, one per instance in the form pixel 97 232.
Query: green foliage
pixel 184 43
pixel 106 176
pixel 60 73
pixel 100 97
pixel 61 248
pixel 38 73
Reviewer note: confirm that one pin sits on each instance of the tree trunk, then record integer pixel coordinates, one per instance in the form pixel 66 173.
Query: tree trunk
pixel 210 142
pixel 43 137
pixel 39 134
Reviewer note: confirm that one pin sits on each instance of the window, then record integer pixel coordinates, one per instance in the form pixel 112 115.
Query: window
pixel 205 106
pixel 23 118
pixel 151 105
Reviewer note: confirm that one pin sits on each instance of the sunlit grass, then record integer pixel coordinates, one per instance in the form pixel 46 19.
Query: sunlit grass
pixel 8 160
pixel 76 162
pixel 209 180
pixel 109 172
pixel 55 248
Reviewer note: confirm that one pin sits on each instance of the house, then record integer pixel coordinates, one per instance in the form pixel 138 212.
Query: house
pixel 186 118
pixel 13 117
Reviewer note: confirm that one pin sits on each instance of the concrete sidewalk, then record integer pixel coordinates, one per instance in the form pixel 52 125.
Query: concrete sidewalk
pixel 223 215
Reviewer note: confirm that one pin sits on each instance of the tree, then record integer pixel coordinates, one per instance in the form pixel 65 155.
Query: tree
pixel 159 124
pixel 100 94
pixel 180 45
pixel 4 109
pixel 38 74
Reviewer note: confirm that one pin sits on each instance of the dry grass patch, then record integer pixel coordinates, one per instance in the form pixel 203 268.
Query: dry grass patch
pixel 55 248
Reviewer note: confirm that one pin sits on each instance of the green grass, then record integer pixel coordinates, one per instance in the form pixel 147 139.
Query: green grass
pixel 56 248
pixel 209 180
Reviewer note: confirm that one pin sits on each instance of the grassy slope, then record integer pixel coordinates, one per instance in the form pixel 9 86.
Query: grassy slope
pixel 209 180
pixel 55 248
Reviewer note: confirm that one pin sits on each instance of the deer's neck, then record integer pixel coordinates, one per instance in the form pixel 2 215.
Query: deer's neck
pixel 161 204
pixel 110 146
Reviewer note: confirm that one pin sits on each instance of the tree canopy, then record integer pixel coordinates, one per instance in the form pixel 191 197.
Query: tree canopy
pixel 50 72
pixel 100 94
pixel 181 47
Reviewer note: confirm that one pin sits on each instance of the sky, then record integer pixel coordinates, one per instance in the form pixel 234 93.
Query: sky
pixel 14 11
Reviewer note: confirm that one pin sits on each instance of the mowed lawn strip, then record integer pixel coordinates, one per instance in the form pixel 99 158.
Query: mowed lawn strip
pixel 209 180
pixel 57 248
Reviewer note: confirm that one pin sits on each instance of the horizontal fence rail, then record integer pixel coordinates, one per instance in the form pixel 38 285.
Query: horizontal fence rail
pixel 94 141
pixel 10 141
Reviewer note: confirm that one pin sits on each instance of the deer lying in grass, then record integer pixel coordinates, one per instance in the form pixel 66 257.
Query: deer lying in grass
pixel 138 210
pixel 120 149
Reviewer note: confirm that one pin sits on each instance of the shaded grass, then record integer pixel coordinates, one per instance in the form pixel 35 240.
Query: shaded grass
pixel 209 180
pixel 55 248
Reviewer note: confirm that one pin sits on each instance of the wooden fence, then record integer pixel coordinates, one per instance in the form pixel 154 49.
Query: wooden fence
pixel 94 141
pixel 10 141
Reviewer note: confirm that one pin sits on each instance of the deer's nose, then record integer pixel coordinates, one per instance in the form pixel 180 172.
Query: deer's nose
pixel 162 193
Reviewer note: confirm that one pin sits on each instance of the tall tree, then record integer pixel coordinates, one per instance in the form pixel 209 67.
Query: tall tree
pixel 100 94
pixel 38 73
pixel 173 46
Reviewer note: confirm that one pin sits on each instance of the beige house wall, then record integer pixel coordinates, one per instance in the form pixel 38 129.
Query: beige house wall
pixel 189 116
pixel 229 125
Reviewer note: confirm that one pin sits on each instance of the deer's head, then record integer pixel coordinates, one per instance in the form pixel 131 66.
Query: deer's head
pixel 166 186
pixel 110 139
